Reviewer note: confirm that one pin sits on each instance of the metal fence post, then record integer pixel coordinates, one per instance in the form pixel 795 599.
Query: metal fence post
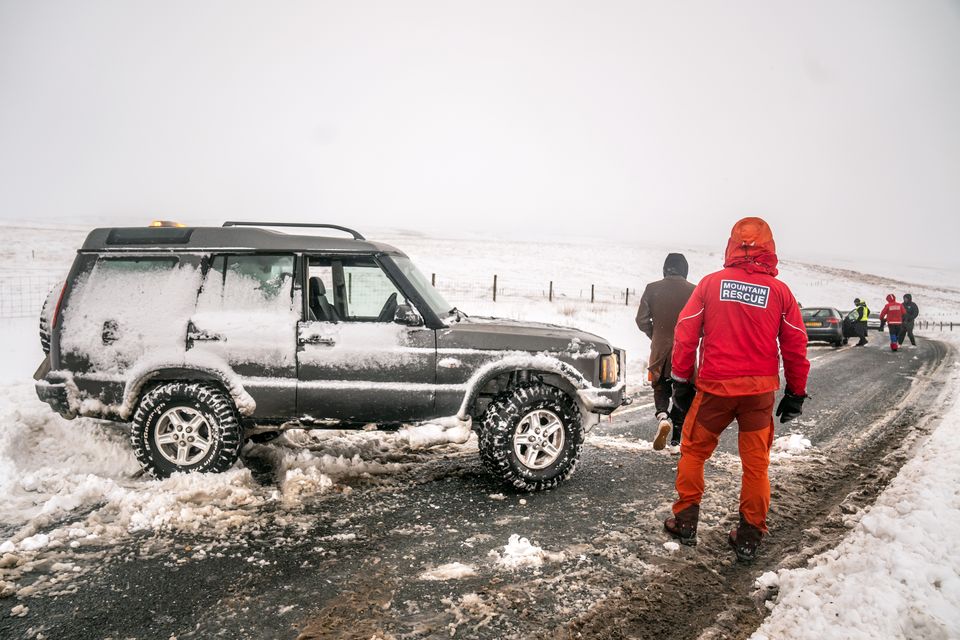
pixel 494 287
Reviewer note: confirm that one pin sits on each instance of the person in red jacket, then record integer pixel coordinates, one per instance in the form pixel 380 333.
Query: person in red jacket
pixel 744 320
pixel 893 314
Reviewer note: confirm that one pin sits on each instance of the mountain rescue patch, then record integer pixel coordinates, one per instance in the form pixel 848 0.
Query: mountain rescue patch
pixel 754 295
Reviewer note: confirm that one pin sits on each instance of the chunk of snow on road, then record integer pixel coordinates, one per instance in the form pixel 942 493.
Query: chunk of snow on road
pixel 789 446
pixel 672 547
pixel 497 496
pixel 435 433
pixel 449 571
pixel 620 444
pixel 521 553
pixel 33 543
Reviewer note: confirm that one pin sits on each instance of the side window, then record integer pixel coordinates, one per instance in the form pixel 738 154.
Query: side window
pixel 347 289
pixel 369 293
pixel 248 283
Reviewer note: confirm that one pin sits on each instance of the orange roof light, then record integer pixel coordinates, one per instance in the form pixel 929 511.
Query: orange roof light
pixel 166 223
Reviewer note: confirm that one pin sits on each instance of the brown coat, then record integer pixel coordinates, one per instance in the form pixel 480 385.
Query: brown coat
pixel 657 316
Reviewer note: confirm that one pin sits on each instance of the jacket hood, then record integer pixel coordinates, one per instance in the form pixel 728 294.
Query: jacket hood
pixel 751 247
pixel 675 265
pixel 891 297
pixel 907 297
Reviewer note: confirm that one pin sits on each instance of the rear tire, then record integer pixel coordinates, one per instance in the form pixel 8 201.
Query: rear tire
pixel 185 427
pixel 531 437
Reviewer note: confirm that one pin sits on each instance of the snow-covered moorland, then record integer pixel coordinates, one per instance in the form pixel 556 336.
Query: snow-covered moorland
pixel 76 483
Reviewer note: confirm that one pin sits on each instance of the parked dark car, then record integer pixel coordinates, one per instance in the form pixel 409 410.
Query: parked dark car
pixel 202 337
pixel 823 324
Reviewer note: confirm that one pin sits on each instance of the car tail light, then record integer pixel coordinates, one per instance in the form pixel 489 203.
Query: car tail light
pixel 833 321
pixel 56 309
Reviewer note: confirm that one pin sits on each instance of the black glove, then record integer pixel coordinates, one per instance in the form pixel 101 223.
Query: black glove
pixel 881 328
pixel 790 407
pixel 683 393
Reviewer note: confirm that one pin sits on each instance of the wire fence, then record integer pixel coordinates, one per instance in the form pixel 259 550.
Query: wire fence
pixel 23 296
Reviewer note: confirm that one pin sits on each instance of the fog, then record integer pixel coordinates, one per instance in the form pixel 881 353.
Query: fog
pixel 653 122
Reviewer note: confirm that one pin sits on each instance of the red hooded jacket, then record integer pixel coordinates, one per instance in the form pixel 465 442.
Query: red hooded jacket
pixel 737 317
pixel 892 313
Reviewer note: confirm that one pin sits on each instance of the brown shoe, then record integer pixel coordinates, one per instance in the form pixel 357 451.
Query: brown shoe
pixel 663 430
pixel 683 526
pixel 745 540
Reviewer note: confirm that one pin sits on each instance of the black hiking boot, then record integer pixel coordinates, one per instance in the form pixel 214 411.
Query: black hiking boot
pixel 745 540
pixel 683 526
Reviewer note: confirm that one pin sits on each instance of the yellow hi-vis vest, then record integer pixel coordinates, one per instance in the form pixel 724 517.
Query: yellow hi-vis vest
pixel 864 313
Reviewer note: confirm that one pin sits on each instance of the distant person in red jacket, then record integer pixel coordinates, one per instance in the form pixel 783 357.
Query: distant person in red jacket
pixel 893 314
pixel 743 320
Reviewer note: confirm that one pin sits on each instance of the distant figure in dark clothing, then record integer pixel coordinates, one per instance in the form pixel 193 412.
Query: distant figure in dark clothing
pixel 657 316
pixel 911 311
pixel 860 326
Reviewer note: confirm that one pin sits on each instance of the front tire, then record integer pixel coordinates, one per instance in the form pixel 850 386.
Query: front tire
pixel 531 437
pixel 184 427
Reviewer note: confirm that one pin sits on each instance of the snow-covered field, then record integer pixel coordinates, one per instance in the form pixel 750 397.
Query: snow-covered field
pixel 77 484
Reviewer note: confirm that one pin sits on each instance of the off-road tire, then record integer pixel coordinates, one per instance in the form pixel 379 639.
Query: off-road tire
pixel 500 422
pixel 46 316
pixel 217 409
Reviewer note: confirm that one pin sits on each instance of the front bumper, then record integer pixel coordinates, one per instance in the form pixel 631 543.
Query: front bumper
pixel 603 401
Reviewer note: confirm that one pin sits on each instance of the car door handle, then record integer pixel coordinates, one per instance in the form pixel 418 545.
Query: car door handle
pixel 322 340
pixel 199 335
pixel 110 332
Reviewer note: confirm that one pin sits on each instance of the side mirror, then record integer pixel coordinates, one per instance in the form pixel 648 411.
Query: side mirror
pixel 408 316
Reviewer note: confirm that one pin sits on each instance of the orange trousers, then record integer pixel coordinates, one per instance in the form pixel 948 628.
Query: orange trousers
pixel 709 415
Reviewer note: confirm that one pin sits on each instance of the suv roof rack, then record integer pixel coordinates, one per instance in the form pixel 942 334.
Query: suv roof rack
pixel 235 223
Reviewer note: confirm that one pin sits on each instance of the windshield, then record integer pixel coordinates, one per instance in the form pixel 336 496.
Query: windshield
pixel 432 297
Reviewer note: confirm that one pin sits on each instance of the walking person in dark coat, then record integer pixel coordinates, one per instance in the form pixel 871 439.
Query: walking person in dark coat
pixel 657 316
pixel 911 311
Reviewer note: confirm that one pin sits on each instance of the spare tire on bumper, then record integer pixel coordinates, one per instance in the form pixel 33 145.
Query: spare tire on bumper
pixel 531 436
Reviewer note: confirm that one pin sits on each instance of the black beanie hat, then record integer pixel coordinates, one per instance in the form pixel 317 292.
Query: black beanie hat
pixel 675 265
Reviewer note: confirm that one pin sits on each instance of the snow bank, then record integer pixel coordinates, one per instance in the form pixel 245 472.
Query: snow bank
pixel 897 574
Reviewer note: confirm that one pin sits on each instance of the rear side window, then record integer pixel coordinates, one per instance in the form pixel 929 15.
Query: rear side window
pixel 249 283
pixel 125 307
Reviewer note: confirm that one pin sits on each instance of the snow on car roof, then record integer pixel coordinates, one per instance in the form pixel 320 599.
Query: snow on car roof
pixel 232 238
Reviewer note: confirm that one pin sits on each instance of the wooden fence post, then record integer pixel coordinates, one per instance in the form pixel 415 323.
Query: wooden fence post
pixel 433 279
pixel 591 294
pixel 550 296
pixel 627 297
pixel 494 287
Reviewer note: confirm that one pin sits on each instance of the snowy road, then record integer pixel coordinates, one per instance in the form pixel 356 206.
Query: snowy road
pixel 420 552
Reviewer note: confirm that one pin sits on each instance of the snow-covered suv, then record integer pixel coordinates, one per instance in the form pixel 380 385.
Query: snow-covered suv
pixel 204 336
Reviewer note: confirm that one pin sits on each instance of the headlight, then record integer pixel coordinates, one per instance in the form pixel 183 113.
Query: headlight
pixel 609 369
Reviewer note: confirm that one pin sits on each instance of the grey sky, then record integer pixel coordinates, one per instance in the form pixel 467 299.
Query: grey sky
pixel 655 121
